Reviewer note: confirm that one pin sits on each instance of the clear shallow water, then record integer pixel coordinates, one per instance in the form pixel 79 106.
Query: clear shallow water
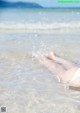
pixel 25 85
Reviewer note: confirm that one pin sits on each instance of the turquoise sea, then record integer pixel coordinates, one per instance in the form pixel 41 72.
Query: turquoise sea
pixel 25 85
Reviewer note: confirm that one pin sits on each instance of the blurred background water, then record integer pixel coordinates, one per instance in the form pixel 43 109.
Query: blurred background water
pixel 25 85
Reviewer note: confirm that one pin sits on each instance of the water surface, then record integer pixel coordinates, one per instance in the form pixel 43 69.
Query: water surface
pixel 25 85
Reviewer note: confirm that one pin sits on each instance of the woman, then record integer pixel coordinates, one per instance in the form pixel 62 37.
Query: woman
pixel 66 71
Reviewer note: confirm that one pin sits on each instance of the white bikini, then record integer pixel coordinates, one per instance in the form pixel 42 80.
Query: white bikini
pixel 76 75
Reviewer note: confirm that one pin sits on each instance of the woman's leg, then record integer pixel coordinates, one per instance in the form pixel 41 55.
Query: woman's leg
pixel 62 74
pixel 67 64
pixel 52 66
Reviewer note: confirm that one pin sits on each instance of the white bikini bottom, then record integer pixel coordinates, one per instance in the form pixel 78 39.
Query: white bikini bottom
pixel 76 75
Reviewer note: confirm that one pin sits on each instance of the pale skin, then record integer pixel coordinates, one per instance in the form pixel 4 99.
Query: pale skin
pixel 63 69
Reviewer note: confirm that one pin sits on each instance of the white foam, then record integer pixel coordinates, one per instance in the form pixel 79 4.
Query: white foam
pixel 40 26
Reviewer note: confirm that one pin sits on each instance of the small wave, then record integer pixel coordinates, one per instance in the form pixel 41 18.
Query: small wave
pixel 58 26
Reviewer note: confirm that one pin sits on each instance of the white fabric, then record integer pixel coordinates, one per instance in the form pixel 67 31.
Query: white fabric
pixel 76 75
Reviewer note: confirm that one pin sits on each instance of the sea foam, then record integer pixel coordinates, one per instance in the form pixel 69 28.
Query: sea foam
pixel 40 26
